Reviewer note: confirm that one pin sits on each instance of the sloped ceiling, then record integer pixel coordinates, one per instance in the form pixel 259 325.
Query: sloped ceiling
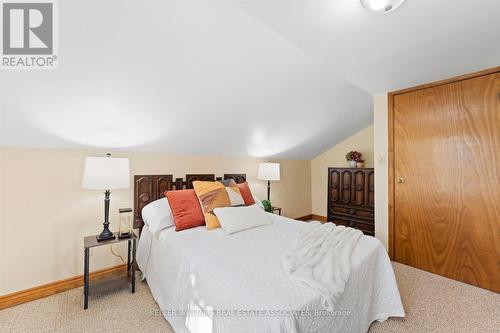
pixel 420 42
pixel 263 78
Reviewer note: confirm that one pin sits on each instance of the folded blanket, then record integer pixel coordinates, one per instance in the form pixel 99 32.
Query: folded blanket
pixel 321 258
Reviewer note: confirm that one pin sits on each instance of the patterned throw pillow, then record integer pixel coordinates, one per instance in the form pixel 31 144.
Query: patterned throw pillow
pixel 234 193
pixel 214 195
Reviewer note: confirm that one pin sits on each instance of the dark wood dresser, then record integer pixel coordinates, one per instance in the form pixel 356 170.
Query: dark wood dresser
pixel 351 198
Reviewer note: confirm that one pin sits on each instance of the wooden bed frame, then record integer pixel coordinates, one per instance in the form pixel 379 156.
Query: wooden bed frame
pixel 148 188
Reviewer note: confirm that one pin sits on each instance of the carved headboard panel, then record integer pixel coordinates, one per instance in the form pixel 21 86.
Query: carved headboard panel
pixel 237 177
pixel 148 188
pixel 202 177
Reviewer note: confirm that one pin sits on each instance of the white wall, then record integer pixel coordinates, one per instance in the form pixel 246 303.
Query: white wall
pixel 2 209
pixel 380 137
pixel 45 213
pixel 41 199
pixel 335 157
pixel 373 143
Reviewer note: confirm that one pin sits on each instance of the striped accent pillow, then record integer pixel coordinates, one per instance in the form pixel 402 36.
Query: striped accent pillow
pixel 215 195
pixel 234 193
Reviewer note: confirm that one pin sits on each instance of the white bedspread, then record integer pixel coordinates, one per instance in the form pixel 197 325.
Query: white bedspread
pixel 212 282
pixel 321 258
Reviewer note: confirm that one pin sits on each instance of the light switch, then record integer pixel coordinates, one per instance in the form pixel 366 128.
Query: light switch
pixel 381 159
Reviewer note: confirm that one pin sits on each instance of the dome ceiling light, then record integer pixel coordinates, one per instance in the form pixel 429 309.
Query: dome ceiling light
pixel 381 7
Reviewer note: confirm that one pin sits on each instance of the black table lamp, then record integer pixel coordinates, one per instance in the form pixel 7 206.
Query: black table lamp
pixel 106 173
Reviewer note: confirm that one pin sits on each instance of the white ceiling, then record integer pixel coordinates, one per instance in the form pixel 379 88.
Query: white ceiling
pixel 420 42
pixel 264 78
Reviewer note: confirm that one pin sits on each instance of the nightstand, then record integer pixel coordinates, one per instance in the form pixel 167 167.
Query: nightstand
pixel 276 209
pixel 90 242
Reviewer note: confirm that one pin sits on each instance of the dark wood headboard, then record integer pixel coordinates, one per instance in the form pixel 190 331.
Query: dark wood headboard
pixel 148 188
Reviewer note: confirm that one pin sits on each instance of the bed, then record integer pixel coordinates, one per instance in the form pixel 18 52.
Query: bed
pixel 207 281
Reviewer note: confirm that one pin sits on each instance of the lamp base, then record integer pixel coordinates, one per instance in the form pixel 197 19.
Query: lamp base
pixel 105 235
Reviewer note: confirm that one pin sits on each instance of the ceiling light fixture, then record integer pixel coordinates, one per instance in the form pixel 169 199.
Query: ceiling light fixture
pixel 380 7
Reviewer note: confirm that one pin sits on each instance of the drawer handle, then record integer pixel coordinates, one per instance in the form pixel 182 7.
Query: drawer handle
pixel 352 212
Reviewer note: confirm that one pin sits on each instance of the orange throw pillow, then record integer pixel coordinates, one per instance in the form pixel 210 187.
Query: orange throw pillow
pixel 212 195
pixel 246 194
pixel 186 209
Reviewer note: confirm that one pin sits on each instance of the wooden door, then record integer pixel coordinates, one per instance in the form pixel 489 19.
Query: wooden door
pixel 447 206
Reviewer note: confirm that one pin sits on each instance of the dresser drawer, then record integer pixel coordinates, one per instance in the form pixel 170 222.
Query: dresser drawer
pixel 367 228
pixel 366 214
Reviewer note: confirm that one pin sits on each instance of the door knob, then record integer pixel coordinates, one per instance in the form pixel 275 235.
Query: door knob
pixel 400 180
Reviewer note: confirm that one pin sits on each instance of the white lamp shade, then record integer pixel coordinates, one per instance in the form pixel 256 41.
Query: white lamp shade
pixel 106 173
pixel 269 171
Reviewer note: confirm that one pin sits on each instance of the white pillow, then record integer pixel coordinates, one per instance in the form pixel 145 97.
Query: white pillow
pixel 234 219
pixel 157 215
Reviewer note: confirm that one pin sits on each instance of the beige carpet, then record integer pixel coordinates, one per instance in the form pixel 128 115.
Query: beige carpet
pixel 432 304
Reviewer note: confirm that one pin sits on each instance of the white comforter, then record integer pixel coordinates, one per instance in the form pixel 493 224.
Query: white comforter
pixel 212 282
pixel 321 258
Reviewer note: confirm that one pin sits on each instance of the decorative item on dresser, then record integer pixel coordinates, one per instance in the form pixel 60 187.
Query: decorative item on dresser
pixel 354 159
pixel 148 188
pixel 351 198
